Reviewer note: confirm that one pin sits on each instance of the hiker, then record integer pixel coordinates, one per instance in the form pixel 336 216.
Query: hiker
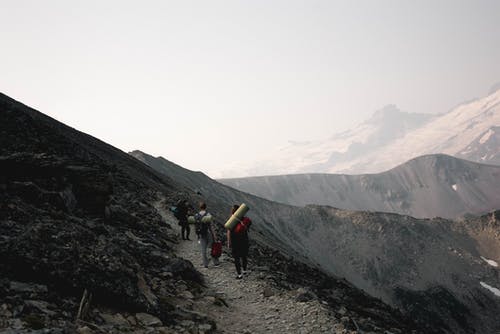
pixel 183 208
pixel 203 227
pixel 237 240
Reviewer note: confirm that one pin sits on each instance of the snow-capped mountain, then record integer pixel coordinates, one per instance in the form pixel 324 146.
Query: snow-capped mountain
pixel 392 137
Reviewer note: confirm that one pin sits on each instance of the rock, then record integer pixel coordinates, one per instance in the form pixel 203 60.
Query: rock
pixel 166 330
pixel 40 305
pixel 210 299
pixel 181 287
pixel 144 288
pixel 339 328
pixel 84 330
pixel 166 274
pixel 132 320
pixel 186 294
pixel 187 323
pixel 268 292
pixel 219 301
pixel 304 295
pixel 148 319
pixel 184 269
pixel 206 328
pixel 26 287
pixel 114 319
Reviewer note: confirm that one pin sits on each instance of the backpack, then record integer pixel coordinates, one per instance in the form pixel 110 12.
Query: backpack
pixel 216 249
pixel 201 228
pixel 175 210
pixel 242 226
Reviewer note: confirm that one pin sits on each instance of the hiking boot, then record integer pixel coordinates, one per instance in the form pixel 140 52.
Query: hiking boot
pixel 240 276
pixel 246 272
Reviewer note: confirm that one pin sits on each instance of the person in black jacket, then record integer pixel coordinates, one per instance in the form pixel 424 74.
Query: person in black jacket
pixel 184 207
pixel 237 240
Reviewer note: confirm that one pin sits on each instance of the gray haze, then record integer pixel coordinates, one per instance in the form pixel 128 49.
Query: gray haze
pixel 171 76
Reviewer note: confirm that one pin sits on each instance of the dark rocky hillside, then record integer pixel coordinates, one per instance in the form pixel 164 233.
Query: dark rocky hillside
pixel 80 235
pixel 431 269
pixel 76 214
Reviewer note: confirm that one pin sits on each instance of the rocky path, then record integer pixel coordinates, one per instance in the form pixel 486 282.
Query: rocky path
pixel 253 304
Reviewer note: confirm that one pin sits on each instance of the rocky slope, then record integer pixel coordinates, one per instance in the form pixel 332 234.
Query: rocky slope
pixel 84 248
pixel 390 138
pixel 429 269
pixel 425 187
pixel 76 217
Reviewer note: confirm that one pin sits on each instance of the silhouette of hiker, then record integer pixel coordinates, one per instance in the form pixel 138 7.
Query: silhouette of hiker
pixel 237 240
pixel 184 207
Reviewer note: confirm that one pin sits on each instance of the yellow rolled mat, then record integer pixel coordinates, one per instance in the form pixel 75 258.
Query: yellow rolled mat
pixel 206 219
pixel 237 216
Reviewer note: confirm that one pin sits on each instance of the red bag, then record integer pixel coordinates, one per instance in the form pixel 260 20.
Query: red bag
pixel 216 249
pixel 242 225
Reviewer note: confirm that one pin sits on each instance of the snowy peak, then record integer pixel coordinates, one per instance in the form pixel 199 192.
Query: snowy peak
pixel 389 110
pixel 391 137
pixel 392 114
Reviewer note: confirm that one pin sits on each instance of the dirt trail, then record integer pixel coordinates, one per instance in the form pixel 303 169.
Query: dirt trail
pixel 254 305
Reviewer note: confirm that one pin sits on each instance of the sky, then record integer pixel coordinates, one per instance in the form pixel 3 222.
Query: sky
pixel 206 84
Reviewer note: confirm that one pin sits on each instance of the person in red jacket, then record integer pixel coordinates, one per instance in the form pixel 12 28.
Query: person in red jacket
pixel 237 240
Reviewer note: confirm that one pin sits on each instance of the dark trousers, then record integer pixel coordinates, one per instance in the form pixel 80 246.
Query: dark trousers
pixel 185 229
pixel 240 261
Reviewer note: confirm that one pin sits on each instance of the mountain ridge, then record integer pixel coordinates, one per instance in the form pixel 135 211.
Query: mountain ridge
pixel 425 187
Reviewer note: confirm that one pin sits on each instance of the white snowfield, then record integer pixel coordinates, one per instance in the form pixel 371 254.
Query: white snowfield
pixel 490 262
pixel 495 291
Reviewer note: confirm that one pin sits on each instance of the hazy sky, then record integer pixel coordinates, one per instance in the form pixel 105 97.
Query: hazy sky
pixel 203 83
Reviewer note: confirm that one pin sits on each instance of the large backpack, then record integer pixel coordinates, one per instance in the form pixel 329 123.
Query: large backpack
pixel 201 228
pixel 242 226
